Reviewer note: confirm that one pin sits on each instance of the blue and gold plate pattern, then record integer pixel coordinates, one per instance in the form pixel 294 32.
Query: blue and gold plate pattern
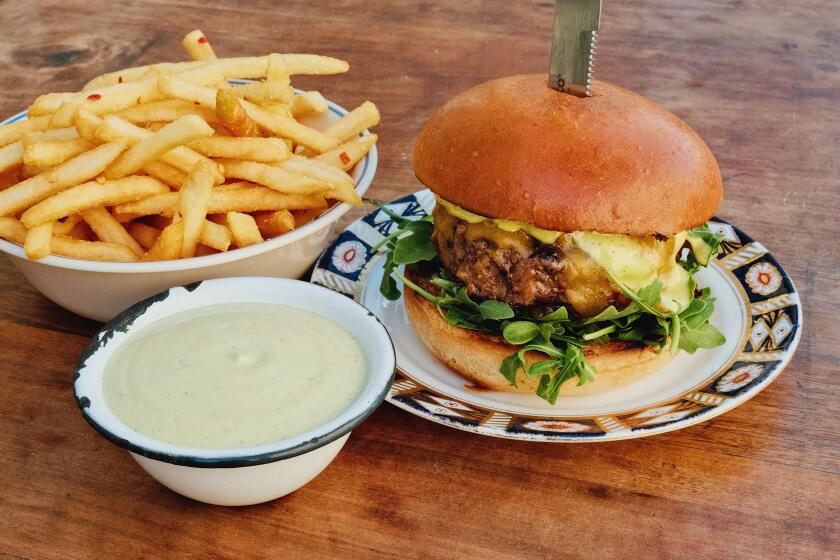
pixel 758 310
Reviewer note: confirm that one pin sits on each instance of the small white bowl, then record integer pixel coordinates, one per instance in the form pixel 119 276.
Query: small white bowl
pixel 99 290
pixel 241 476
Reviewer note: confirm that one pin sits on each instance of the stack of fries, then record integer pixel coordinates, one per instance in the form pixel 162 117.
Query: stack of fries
pixel 171 161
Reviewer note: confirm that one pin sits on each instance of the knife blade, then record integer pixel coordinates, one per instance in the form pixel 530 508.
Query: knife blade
pixel 576 24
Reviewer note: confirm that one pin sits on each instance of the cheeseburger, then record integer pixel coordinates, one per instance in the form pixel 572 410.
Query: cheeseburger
pixel 561 252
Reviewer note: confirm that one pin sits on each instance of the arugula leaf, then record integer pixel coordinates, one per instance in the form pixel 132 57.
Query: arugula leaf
pixel 416 247
pixel 559 314
pixel 511 366
pixel 612 314
pixel 495 310
pixel 704 336
pixel 599 333
pixel 388 287
pixel 520 332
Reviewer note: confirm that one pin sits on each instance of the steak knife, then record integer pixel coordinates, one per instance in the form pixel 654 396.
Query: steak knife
pixel 576 25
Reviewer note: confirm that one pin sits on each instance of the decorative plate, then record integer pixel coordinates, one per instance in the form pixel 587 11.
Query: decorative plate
pixel 758 310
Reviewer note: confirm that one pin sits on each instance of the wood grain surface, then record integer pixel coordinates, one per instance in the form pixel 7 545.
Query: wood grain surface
pixel 759 80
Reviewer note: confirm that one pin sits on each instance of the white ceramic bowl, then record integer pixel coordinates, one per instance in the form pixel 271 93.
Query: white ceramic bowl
pixel 241 476
pixel 99 290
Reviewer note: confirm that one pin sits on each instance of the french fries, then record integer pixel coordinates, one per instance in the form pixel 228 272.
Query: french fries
pixel 215 236
pixel 244 229
pixel 197 46
pixel 12 230
pixel 13 132
pixel 166 110
pixel 164 172
pixel 180 157
pixel 350 153
pixel 251 199
pixel 272 224
pixel 64 227
pixel 233 117
pixel 72 172
pixel 11 156
pixel 38 241
pixel 272 177
pixel 90 195
pixel 48 104
pixel 169 161
pixel 242 67
pixel 364 116
pixel 49 152
pixel 183 131
pixel 275 89
pixel 192 202
pixel 264 150
pixel 108 229
pixel 168 244
pixel 308 102
pixel 91 250
pixel 287 127
pixel 145 235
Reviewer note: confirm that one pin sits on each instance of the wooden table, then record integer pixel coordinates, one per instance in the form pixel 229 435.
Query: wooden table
pixel 760 81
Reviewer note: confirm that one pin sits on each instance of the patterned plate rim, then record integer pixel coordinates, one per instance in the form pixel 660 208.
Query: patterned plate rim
pixel 772 335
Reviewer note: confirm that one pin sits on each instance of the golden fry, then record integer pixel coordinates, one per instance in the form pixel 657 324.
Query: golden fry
pixel 173 88
pixel 242 67
pixel 70 173
pixel 11 156
pixel 88 195
pixel 233 116
pixel 273 177
pixel 192 202
pixel 214 235
pixel 12 230
pixel 362 117
pixel 244 229
pixel 91 250
pixel 164 172
pixel 10 133
pixel 272 224
pixel 270 150
pixel 47 104
pixel 168 244
pixel 64 227
pixel 308 102
pixel 181 157
pixel 350 153
pixel 105 100
pixel 197 46
pixel 238 200
pixel 50 153
pixel 287 127
pixel 177 133
pixel 51 134
pixel 166 110
pixel 143 234
pixel 108 229
pixel 38 241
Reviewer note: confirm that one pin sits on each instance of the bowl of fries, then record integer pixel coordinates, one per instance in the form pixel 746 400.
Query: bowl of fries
pixel 163 175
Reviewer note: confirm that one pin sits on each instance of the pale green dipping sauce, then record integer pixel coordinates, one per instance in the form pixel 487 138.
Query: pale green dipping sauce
pixel 234 375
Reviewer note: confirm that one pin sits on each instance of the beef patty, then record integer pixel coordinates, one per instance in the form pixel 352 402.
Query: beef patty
pixel 516 268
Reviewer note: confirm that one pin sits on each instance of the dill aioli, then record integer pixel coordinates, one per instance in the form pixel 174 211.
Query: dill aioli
pixel 234 375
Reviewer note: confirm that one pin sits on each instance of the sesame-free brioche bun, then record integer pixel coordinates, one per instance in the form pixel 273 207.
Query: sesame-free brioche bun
pixel 616 162
pixel 476 356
